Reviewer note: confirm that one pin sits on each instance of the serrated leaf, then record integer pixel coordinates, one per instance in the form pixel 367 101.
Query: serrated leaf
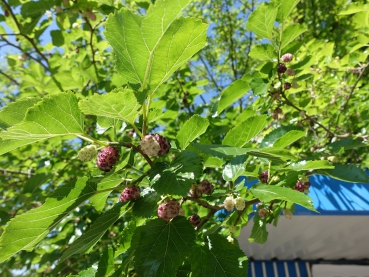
pixel 346 172
pixel 285 8
pixel 96 231
pixel 14 112
pixel 176 178
pixel 274 135
pixel 146 204
pixel 119 104
pixel 259 233
pixel 266 193
pixel 310 165
pixel 232 93
pixel 346 144
pixel 261 21
pixel 291 33
pixel 106 263
pixel 223 151
pixel 218 258
pixel 192 129
pixel 163 247
pixel 263 52
pixel 150 48
pixel 155 114
pixel 234 168
pixel 26 230
pixel 56 115
pixel 245 131
pixel 288 138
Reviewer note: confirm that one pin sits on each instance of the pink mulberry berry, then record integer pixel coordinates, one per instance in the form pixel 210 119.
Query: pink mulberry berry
pixel 168 210
pixel 107 158
pixel 130 193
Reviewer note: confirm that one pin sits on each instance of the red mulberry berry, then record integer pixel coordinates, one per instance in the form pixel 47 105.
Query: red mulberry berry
pixel 281 68
pixel 264 177
pixel 107 158
pixel 168 210
pixel 130 193
pixel 195 220
pixel 287 86
pixel 299 186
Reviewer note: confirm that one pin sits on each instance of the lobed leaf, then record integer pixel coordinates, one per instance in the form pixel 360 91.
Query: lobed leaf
pixel 176 178
pixel 150 48
pixel 218 258
pixel 164 246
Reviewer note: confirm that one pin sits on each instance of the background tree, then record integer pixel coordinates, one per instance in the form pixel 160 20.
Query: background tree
pixel 235 88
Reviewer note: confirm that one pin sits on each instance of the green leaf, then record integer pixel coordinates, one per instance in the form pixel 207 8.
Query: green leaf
pixel 57 37
pixel 288 138
pixel 178 177
pixel 261 21
pixel 146 204
pixel 263 52
pixel 266 193
pixel 106 263
pixel 354 8
pixel 15 112
pixel 26 230
pixel 150 48
pixel 285 8
pixel 276 155
pixel 87 273
pixel 232 93
pixel 96 231
pixel 347 172
pixel 218 258
pixel 310 165
pixel 291 33
pixel 56 115
pixel 36 8
pixel 155 114
pixel 259 233
pixel 245 131
pixel 119 104
pixel 164 246
pixel 346 144
pixel 274 135
pixel 235 168
pixel 192 129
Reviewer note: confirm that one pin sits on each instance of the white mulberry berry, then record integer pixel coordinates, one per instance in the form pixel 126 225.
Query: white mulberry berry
pixel 130 193
pixel 287 57
pixel 107 158
pixel 239 203
pixel 168 210
pixel 229 203
pixel 87 153
pixel 154 145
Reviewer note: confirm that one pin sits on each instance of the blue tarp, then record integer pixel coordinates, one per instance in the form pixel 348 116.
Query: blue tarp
pixel 279 269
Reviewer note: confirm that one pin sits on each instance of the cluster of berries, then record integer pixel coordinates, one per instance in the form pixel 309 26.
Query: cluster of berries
pixel 282 69
pixel 302 186
pixel 230 203
pixel 205 187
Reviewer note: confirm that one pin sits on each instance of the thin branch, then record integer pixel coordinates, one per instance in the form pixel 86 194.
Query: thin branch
pixel 210 74
pixel 6 171
pixel 10 78
pixel 206 219
pixel 203 203
pixel 137 148
pixel 231 45
pixel 354 86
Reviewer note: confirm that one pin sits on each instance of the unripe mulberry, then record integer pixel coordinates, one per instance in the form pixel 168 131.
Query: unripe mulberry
pixel 287 213
pixel 107 158
pixel 229 203
pixel 87 153
pixel 205 187
pixel 264 177
pixel 281 68
pixel 155 145
pixel 239 203
pixel 195 220
pixel 262 212
pixel 286 58
pixel 168 210
pixel 290 72
pixel 130 193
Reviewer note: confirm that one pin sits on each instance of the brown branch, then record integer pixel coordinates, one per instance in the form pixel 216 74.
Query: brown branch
pixel 137 148
pixel 206 219
pixel 203 203
pixel 10 78
pixel 210 74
